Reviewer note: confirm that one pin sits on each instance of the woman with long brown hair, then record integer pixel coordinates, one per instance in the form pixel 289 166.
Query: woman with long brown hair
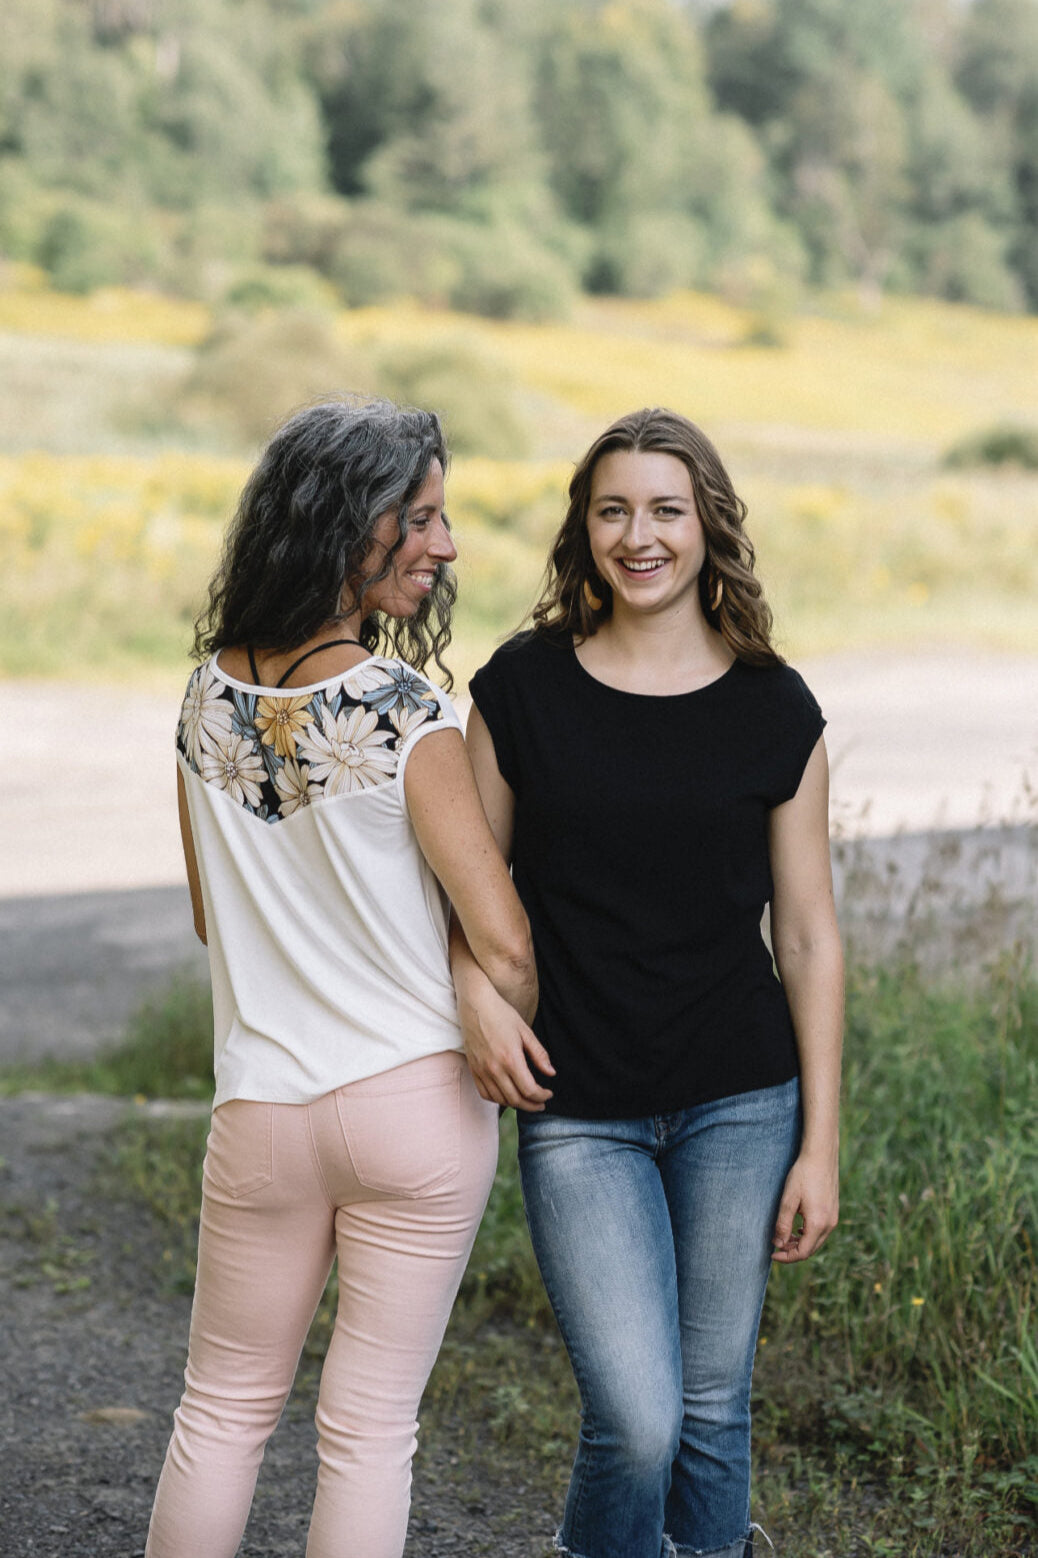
pixel 656 776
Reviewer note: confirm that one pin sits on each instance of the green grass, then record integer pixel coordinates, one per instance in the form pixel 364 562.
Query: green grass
pixel 897 1379
pixel 166 1052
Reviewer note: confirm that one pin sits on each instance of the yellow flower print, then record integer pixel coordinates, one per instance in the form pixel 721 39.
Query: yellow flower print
pixel 279 719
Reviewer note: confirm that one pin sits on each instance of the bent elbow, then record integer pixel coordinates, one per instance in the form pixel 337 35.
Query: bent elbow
pixel 808 947
pixel 512 970
pixel 517 959
pixel 508 945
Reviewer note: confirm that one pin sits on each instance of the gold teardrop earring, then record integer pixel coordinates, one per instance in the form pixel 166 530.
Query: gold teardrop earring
pixel 717 593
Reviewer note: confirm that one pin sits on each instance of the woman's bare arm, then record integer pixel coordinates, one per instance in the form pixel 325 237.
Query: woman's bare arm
pixel 805 940
pixel 498 1040
pixel 190 860
pixel 456 839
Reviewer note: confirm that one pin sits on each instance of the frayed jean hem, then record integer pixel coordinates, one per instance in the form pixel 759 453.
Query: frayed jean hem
pixel 742 1547
pixel 668 1550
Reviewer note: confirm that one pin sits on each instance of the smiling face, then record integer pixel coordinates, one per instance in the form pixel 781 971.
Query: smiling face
pixel 647 542
pixel 427 545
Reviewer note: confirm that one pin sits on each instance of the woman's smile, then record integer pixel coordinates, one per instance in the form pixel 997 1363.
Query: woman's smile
pixel 642 565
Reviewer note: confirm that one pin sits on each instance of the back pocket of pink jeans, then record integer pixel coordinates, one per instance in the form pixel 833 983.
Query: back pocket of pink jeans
pixel 402 1130
pixel 239 1156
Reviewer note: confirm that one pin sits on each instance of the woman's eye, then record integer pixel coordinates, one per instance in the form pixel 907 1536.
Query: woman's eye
pixel 610 511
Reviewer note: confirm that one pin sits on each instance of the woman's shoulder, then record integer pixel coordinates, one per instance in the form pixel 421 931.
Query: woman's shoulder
pixel 523 655
pixel 777 689
pixel 384 683
pixel 391 668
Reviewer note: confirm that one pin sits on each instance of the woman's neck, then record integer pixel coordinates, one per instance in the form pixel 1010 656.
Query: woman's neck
pixel 664 654
pixel 272 664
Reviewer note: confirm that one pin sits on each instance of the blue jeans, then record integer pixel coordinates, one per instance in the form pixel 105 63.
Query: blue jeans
pixel 654 1241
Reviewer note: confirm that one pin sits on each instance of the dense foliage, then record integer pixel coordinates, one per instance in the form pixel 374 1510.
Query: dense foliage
pixel 499 155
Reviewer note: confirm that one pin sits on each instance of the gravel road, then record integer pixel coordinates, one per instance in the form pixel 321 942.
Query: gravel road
pixel 92 1355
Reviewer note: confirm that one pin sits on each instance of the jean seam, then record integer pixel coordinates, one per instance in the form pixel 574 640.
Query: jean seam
pixel 579 1474
pixel 581 1467
pixel 315 1158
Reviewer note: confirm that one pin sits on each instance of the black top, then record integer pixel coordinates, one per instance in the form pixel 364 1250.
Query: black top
pixel 640 853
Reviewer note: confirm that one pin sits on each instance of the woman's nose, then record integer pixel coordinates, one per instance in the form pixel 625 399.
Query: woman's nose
pixel 638 530
pixel 441 546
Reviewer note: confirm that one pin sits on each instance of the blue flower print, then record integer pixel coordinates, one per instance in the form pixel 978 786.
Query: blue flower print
pixel 403 690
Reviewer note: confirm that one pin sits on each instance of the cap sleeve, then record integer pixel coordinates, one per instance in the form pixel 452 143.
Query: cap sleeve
pixel 412 705
pixel 489 689
pixel 803 724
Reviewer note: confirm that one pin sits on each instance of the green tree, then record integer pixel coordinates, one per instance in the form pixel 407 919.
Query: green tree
pixel 962 207
pixel 998 73
pixel 888 174
pixel 424 108
pixel 172 104
pixel 665 190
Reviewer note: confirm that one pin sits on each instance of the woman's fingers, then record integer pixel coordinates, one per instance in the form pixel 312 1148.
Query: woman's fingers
pixel 502 1073
pixel 537 1053
pixel 784 1241
pixel 806 1217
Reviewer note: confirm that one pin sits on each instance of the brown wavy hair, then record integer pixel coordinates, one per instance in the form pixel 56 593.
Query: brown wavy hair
pixel 729 591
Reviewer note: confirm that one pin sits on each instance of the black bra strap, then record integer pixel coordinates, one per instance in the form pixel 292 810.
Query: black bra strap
pixel 330 644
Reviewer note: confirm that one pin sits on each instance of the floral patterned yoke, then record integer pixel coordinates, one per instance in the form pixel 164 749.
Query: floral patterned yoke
pixel 274 752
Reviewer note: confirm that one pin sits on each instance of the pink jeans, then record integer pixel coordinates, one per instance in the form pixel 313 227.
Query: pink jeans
pixel 392 1174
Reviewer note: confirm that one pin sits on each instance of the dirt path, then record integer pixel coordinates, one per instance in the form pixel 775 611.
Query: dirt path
pixel 92 1355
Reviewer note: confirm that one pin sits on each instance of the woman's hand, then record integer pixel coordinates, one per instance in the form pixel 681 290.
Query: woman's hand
pixel 500 1047
pixel 809 1209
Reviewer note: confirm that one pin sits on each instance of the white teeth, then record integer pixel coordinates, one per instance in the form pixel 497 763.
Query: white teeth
pixel 648 566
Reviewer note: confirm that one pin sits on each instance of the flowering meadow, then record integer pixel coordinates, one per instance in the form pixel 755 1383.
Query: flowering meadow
pixel 835 441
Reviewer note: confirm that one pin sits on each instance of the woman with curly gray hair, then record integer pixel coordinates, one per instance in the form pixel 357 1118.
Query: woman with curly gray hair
pixel 328 812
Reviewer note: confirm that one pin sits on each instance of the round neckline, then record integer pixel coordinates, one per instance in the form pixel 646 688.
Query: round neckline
pixel 647 697
pixel 284 692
